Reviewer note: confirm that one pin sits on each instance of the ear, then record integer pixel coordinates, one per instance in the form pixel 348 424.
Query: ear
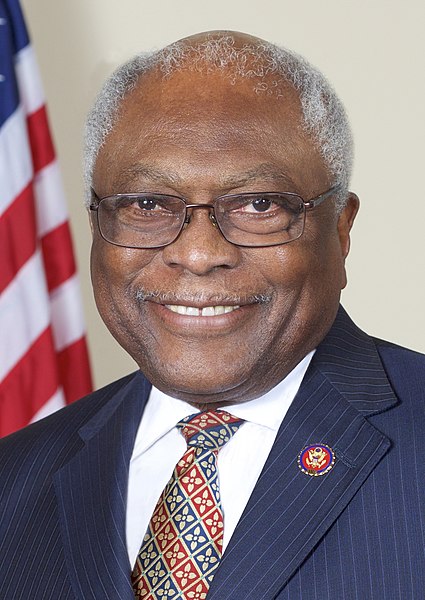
pixel 90 216
pixel 345 223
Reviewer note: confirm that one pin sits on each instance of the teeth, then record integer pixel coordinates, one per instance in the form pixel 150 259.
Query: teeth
pixel 207 311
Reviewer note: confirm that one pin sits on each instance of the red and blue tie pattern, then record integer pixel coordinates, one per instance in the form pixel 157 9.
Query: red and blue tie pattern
pixel 183 545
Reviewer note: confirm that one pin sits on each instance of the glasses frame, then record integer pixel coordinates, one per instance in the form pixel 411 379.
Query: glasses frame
pixel 307 205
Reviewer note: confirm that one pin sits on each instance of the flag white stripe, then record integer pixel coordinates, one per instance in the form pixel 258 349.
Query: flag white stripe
pixel 16 168
pixel 24 313
pixel 56 402
pixel 27 311
pixel 29 80
pixel 67 314
pixel 50 201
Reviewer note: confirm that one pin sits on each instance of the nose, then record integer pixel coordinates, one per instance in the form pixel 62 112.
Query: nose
pixel 201 247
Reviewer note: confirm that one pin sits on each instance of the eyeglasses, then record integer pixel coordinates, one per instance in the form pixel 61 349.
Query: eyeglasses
pixel 146 220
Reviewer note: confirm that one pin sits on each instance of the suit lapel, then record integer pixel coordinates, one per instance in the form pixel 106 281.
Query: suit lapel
pixel 289 511
pixel 92 491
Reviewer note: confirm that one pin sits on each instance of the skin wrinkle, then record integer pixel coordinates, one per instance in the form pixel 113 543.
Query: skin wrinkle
pixel 141 174
pixel 255 346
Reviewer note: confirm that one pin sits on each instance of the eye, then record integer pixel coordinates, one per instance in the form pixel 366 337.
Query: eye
pixel 144 205
pixel 136 209
pixel 147 203
pixel 259 204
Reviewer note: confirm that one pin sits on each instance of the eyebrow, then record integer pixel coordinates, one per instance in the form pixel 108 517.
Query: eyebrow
pixel 140 171
pixel 266 172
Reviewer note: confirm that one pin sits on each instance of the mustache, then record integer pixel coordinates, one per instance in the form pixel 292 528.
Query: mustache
pixel 200 297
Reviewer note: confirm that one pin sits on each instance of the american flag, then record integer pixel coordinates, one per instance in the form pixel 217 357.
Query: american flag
pixel 43 354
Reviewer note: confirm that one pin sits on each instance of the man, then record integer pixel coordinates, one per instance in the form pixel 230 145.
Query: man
pixel 217 172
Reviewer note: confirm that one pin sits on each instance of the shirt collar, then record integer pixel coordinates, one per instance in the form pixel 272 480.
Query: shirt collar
pixel 269 409
pixel 162 412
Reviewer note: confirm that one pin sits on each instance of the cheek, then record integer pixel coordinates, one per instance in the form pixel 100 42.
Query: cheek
pixel 293 266
pixel 306 275
pixel 114 272
pixel 113 269
pixel 307 280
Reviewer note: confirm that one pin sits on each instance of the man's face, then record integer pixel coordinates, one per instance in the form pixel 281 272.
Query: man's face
pixel 199 137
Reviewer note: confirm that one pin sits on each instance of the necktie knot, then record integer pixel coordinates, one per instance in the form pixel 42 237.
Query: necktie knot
pixel 210 430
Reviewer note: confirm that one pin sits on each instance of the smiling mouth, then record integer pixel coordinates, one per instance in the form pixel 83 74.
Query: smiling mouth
pixel 202 304
pixel 206 311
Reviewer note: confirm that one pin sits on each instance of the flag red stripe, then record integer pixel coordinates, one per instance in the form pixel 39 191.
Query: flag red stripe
pixel 17 236
pixel 58 256
pixel 33 379
pixel 71 360
pixel 34 233
pixel 43 152
pixel 18 243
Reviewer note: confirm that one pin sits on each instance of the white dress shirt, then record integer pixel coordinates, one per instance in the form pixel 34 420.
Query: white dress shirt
pixel 159 446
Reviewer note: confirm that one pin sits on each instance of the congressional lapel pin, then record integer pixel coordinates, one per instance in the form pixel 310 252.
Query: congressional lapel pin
pixel 316 459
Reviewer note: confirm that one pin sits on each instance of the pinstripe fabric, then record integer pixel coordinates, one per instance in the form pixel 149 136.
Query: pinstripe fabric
pixel 66 464
pixel 356 533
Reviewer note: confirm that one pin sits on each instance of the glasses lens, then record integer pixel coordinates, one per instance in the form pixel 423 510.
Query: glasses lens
pixel 140 220
pixel 260 219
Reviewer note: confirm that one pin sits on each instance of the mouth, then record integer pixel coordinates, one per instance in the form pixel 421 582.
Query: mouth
pixel 200 313
pixel 206 311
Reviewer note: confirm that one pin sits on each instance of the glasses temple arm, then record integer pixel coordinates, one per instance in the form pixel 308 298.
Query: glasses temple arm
pixel 319 199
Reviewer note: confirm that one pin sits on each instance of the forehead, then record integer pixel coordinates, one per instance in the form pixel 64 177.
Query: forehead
pixel 207 120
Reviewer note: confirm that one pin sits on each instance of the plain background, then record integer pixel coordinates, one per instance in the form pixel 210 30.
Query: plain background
pixel 373 52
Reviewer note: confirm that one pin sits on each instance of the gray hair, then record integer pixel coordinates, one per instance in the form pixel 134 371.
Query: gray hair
pixel 324 116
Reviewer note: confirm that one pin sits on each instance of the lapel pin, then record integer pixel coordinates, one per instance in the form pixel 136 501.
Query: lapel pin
pixel 316 459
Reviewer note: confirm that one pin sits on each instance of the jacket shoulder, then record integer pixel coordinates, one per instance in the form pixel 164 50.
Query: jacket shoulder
pixel 405 368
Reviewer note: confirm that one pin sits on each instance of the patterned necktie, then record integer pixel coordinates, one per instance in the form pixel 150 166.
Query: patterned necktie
pixel 183 545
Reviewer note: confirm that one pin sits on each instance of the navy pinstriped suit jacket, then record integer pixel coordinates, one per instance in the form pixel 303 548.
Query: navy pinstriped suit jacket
pixel 356 533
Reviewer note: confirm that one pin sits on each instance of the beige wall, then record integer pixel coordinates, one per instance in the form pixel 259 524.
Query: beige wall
pixel 372 51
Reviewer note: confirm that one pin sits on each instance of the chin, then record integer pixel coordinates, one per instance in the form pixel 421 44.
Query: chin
pixel 196 386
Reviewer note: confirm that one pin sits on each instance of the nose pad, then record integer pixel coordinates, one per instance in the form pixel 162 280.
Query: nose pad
pixel 213 219
pixel 189 213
